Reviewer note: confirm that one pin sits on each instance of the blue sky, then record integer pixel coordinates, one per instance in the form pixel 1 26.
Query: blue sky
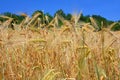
pixel 109 9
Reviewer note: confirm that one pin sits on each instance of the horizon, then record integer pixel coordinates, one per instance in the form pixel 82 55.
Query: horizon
pixel 107 9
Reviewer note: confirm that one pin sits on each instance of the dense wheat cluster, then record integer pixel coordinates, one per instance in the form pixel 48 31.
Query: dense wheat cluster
pixel 34 50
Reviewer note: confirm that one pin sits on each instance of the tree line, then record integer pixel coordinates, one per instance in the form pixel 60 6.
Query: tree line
pixel 84 18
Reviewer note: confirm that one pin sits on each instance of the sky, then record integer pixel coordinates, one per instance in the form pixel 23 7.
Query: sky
pixel 109 9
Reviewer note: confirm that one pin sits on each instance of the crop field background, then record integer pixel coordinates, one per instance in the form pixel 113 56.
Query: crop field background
pixel 73 51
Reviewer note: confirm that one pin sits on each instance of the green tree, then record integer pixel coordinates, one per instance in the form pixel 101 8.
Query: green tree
pixel 85 18
pixel 2 19
pixel 42 16
pixel 47 15
pixel 61 13
pixel 17 18
pixel 68 17
pixel 116 27
pixel 118 21
pixel 100 19
pixel 37 11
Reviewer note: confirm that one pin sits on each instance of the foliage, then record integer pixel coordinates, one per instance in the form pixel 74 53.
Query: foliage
pixel 85 18
pixel 116 27
pixel 17 18
pixel 68 17
pixel 101 21
pixel 61 13
pixel 49 17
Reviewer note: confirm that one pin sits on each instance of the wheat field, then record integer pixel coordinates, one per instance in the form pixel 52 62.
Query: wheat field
pixel 51 53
